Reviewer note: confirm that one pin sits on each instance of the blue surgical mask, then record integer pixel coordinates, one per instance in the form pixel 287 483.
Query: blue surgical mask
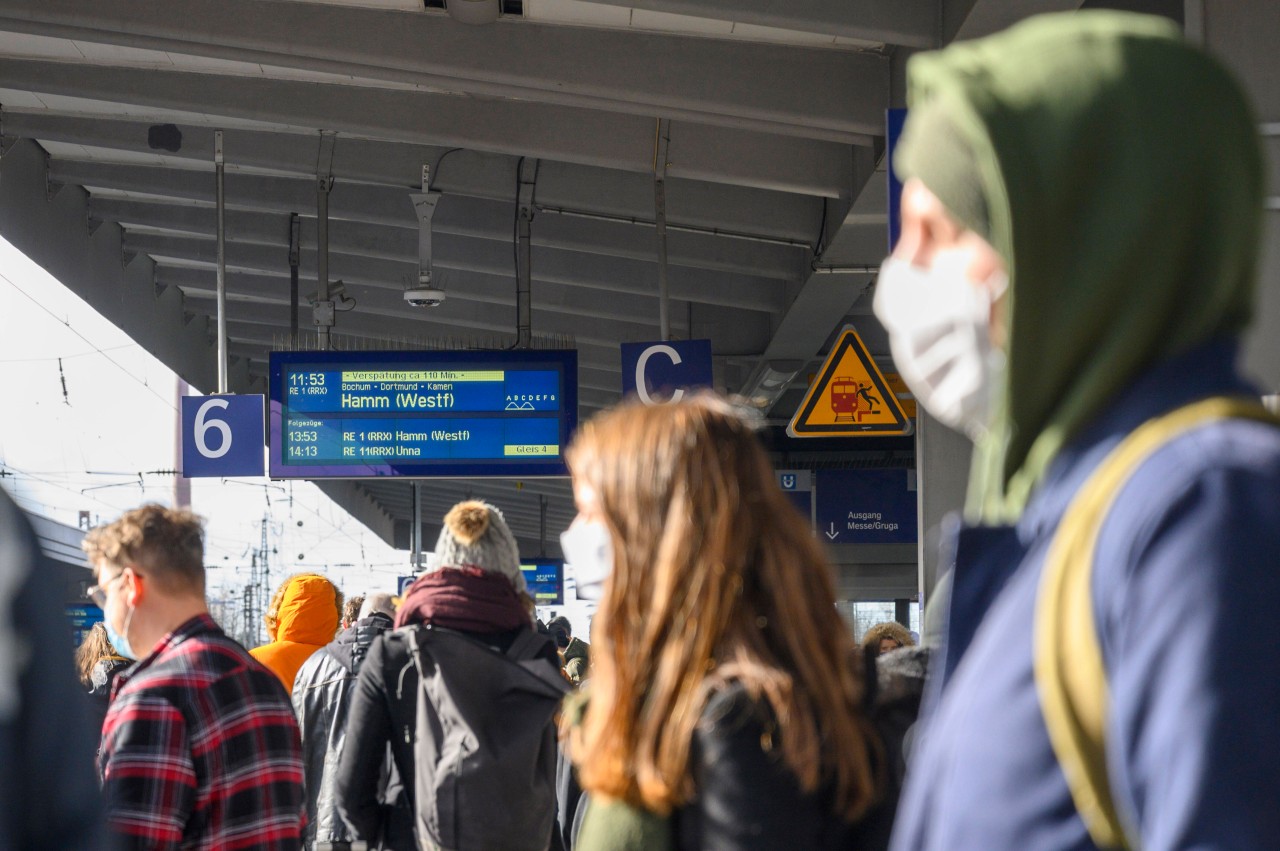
pixel 588 551
pixel 118 641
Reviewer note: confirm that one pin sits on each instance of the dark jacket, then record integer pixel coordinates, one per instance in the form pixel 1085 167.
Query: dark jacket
pixel 745 798
pixel 51 800
pixel 321 700
pixel 383 710
pixel 102 677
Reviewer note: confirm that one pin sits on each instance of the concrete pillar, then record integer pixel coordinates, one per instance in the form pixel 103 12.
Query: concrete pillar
pixel 942 474
pixel 1243 33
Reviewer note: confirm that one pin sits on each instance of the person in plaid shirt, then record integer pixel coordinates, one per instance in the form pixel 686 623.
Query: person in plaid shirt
pixel 200 749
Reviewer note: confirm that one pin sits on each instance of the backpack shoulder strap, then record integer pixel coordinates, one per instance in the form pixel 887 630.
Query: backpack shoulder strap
pixel 528 644
pixel 416 644
pixel 1069 672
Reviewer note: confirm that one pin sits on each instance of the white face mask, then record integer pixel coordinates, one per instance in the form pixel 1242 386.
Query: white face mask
pixel 940 336
pixel 588 551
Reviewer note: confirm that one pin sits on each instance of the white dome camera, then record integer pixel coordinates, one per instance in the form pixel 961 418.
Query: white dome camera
pixel 424 296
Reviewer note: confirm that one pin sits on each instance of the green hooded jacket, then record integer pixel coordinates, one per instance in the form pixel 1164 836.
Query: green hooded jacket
pixel 1128 236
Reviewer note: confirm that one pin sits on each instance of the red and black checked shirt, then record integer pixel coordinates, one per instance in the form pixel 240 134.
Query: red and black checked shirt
pixel 200 750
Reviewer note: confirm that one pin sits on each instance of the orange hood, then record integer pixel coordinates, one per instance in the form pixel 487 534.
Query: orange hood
pixel 308 611
pixel 306 620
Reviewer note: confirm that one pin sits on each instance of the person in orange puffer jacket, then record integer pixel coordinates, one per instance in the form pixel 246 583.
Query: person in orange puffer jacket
pixel 302 618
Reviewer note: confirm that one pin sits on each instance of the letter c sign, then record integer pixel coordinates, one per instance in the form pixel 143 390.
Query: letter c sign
pixel 662 371
pixel 641 390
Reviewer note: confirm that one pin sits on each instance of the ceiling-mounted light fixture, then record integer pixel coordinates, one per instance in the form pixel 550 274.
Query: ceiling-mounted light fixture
pixel 769 380
pixel 474 11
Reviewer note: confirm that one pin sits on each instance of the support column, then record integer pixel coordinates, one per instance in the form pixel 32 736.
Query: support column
pixel 221 203
pixel 324 308
pixel 942 475
pixel 415 527
pixel 524 249
pixel 660 145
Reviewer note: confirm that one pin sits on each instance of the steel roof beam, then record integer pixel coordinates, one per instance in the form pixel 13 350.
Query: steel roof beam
pixel 969 19
pixel 909 22
pixel 265 336
pixel 372 315
pixel 467 218
pixel 460 257
pixel 545 131
pixel 466 173
pixel 641 73
pixel 483 289
pixel 353 201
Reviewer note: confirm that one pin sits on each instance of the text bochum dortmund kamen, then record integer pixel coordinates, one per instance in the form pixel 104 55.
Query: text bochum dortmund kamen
pixel 408 400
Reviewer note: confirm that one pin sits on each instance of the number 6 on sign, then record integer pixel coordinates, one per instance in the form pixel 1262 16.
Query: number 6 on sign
pixel 222 436
pixel 203 424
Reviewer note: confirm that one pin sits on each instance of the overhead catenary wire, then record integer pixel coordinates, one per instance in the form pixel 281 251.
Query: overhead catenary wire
pixel 70 357
pixel 98 350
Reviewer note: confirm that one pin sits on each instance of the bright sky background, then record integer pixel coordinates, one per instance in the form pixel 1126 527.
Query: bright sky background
pixel 87 436
pixel 95 434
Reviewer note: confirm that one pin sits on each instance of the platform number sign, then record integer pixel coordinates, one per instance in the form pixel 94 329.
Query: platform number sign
pixel 661 372
pixel 222 436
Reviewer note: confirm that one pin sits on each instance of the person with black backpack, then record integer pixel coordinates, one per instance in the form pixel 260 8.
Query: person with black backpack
pixel 465 692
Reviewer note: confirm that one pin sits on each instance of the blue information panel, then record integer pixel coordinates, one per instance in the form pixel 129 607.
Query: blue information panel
pixel 82 618
pixel 867 506
pixel 365 414
pixel 545 579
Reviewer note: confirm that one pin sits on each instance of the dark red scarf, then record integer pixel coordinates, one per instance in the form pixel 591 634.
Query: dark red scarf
pixel 463 598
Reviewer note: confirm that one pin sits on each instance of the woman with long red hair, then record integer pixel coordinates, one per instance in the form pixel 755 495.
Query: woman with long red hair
pixel 724 709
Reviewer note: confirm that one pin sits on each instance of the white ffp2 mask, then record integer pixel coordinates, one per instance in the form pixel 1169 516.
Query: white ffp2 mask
pixel 940 335
pixel 588 551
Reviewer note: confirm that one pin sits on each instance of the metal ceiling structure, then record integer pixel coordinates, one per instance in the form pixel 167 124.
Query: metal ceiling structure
pixel 764 119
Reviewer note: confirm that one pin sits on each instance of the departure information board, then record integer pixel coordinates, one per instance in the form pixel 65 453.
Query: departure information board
pixel 545 580
pixel 449 414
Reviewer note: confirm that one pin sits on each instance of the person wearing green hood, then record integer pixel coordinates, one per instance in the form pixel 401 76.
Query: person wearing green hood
pixel 1081 219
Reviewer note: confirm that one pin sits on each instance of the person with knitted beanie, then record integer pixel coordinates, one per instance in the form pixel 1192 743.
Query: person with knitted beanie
pixel 473 588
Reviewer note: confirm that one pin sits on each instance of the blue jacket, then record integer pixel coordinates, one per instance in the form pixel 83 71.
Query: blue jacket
pixel 1186 593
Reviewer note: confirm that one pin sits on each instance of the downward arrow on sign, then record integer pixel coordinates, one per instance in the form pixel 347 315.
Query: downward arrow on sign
pixel 833 534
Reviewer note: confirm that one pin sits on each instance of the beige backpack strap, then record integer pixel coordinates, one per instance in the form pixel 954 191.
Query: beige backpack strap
pixel 1069 672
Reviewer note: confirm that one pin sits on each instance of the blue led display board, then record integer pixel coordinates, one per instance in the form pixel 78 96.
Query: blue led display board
pixel 448 414
pixel 545 579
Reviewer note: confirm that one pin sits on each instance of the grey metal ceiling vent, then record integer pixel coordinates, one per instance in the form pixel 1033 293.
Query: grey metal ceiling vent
pixel 477 11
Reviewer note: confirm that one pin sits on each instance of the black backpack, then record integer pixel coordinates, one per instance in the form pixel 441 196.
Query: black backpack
pixel 485 752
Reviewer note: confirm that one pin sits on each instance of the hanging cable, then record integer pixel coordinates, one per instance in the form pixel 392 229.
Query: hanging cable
pixel 102 352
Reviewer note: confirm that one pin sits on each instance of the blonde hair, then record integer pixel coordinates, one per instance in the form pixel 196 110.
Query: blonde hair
pixel 167 543
pixel 93 649
pixel 716 579
pixel 888 629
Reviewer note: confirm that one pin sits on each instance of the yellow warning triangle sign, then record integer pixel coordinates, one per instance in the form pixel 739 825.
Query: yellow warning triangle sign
pixel 850 396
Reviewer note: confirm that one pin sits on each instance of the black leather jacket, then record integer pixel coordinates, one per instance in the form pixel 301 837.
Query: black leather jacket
pixel 322 700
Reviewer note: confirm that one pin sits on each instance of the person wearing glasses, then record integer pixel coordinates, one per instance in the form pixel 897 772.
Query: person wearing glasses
pixel 199 747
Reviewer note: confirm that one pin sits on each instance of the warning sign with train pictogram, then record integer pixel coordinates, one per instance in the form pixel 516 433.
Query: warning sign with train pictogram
pixel 850 397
